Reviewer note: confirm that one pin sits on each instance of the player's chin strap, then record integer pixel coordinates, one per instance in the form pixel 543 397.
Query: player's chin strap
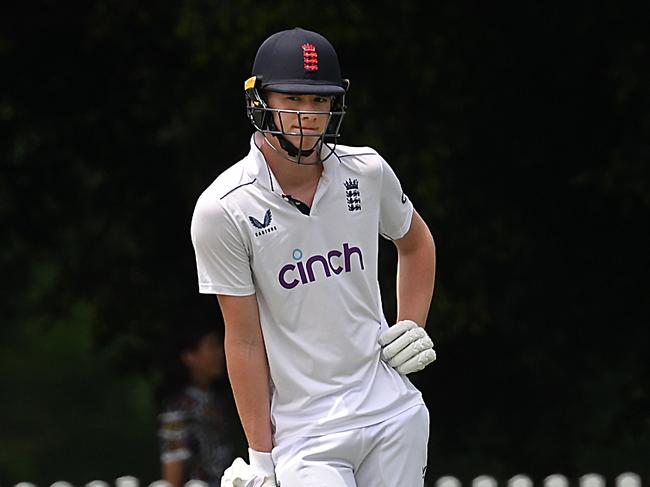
pixel 297 160
pixel 291 153
pixel 292 150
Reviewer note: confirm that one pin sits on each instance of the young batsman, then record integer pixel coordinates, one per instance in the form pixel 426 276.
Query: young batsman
pixel 287 238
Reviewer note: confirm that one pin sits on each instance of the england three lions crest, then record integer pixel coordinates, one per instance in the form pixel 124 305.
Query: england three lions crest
pixel 352 194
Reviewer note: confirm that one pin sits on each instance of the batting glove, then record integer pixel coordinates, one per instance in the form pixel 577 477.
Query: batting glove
pixel 406 347
pixel 260 472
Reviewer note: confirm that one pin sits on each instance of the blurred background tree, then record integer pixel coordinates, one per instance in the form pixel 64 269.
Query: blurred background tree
pixel 522 134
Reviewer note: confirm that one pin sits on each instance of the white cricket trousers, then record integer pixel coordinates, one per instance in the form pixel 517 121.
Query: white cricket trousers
pixel 392 453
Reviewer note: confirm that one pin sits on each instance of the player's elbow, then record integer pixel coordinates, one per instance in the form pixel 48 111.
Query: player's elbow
pixel 418 240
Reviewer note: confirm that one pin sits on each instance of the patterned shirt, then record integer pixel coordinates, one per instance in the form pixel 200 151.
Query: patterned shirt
pixel 196 427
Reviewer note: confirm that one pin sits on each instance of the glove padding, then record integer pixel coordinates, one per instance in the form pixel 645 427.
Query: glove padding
pixel 406 347
pixel 260 473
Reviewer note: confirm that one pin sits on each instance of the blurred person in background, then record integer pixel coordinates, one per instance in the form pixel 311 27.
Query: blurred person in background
pixel 198 423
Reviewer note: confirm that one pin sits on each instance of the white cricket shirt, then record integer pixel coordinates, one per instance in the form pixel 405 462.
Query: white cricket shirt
pixel 315 278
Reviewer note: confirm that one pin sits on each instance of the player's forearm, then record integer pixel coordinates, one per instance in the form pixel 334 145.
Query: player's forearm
pixel 249 377
pixel 415 276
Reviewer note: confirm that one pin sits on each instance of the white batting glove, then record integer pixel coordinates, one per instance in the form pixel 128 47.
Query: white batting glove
pixel 239 474
pixel 260 472
pixel 406 347
pixel 262 463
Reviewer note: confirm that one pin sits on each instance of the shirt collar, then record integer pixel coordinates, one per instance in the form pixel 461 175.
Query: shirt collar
pixel 258 169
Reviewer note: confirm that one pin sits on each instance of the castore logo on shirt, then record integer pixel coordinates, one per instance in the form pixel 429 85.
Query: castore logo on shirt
pixel 265 226
pixel 335 261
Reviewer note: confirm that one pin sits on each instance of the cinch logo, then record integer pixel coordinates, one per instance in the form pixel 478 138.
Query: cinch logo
pixel 334 262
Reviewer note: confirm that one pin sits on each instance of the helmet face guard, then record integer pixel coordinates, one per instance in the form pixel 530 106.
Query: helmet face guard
pixel 262 118
pixel 296 61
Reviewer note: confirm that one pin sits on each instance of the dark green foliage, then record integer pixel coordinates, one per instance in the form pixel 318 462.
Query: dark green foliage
pixel 521 134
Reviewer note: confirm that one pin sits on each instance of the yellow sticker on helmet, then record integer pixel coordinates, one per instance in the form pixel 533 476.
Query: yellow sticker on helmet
pixel 249 84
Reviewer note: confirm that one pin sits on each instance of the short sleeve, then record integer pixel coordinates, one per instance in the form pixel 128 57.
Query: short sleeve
pixel 222 258
pixel 396 210
pixel 173 436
